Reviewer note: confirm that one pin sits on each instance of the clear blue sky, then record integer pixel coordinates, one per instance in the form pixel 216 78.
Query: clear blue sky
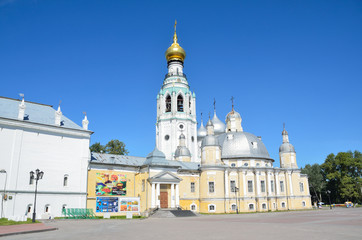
pixel 298 62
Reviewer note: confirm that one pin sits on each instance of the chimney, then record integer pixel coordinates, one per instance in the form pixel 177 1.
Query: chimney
pixel 21 108
pixel 58 116
pixel 85 122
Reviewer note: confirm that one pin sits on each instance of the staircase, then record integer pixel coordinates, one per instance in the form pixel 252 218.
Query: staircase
pixel 172 212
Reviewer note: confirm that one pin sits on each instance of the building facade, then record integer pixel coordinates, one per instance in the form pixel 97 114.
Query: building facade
pixel 36 136
pixel 219 168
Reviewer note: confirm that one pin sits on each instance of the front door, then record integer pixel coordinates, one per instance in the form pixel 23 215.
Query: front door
pixel 164 199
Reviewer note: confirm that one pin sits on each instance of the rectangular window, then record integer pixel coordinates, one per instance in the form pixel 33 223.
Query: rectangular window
pixel 143 185
pixel 301 186
pixel 281 186
pixel 232 186
pixel 211 187
pixel 250 186
pixel 192 187
pixel 262 186
pixel 272 186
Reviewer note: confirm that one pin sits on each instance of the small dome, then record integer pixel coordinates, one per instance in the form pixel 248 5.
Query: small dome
pixel 219 126
pixel 155 157
pixel 201 132
pixel 175 51
pixel 232 114
pixel 182 151
pixel 284 132
pixel 210 140
pixel 209 123
pixel 286 147
pixel 182 136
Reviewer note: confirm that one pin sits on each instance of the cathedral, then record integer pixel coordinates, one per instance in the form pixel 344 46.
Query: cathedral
pixel 217 168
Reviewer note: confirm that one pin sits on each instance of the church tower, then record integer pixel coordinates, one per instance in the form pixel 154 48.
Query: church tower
pixel 176 107
pixel 287 153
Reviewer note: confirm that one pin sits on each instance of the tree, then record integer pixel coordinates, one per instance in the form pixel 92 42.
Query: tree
pixel 97 147
pixel 343 175
pixel 116 147
pixel 316 180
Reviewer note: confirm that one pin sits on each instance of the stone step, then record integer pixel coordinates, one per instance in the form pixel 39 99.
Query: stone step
pixel 171 213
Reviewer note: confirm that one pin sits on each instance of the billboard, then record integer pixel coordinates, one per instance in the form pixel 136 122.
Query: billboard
pixel 129 204
pixel 107 204
pixel 109 184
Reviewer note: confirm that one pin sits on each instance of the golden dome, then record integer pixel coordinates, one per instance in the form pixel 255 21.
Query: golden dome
pixel 175 51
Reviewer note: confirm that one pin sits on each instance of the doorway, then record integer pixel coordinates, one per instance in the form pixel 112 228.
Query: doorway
pixel 164 199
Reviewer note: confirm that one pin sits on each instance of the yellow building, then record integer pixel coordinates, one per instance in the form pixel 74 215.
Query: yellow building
pixel 217 169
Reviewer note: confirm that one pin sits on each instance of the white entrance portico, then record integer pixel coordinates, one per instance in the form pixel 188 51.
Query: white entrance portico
pixel 165 190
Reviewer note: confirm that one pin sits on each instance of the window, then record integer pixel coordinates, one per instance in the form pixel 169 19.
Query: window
pixel 193 207
pixel 303 204
pixel 274 205
pixel 263 206
pixel 65 180
pixel 167 137
pixel 301 186
pixel 31 181
pixel 192 187
pixel 272 186
pixel 250 186
pixel 47 208
pixel 192 139
pixel 64 209
pixel 168 103
pixel 29 208
pixel 180 104
pixel 181 126
pixel 211 208
pixel 143 185
pixel 232 186
pixel 281 186
pixel 211 187
pixel 262 186
pixel 251 206
pixel 233 207
pixel 233 165
pixel 283 204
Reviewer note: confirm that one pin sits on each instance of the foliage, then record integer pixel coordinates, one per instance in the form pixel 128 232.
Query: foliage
pixel 97 147
pixel 6 222
pixel 112 147
pixel 315 178
pixel 343 176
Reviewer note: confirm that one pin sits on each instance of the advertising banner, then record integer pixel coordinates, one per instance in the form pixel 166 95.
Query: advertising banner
pixel 109 184
pixel 107 204
pixel 129 204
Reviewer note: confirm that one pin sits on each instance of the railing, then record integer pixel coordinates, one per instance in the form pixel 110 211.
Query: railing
pixel 78 213
pixel 175 75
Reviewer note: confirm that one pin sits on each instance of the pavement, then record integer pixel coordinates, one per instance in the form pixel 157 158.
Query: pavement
pixel 24 228
pixel 339 223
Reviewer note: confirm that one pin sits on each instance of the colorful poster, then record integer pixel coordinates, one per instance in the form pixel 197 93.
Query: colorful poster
pixel 111 184
pixel 107 204
pixel 129 204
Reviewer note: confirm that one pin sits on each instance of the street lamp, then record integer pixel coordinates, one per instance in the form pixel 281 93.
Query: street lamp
pixel 36 176
pixel 2 199
pixel 329 196
pixel 236 189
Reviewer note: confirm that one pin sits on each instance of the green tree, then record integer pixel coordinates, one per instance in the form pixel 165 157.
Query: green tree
pixel 116 147
pixel 97 147
pixel 315 179
pixel 343 175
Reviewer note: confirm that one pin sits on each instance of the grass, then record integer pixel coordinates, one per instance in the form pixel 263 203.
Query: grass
pixel 6 222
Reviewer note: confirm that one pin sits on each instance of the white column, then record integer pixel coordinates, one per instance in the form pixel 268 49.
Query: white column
pixel 177 196
pixel 158 195
pixel 244 183
pixel 257 184
pixel 290 183
pixel 153 197
pixel 268 181
pixel 277 190
pixel 173 199
pixel 226 183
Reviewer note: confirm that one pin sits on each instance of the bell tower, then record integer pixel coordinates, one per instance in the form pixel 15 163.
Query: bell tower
pixel 176 106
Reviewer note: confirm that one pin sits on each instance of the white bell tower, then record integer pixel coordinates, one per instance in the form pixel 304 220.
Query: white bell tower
pixel 176 107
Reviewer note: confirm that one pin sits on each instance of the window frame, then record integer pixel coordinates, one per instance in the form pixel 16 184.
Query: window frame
pixel 211 187
pixel 262 186
pixel 192 187
pixel 250 186
pixel 282 186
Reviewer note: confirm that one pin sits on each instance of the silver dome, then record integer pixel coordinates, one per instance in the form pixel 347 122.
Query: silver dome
pixel 182 151
pixel 242 145
pixel 201 132
pixel 286 147
pixel 155 157
pixel 219 126
pixel 210 140
pixel 232 114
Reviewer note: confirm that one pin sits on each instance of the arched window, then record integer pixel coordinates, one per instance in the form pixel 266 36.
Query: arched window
pixel 180 103
pixel 251 206
pixel 193 207
pixel 303 204
pixel 233 207
pixel 168 103
pixel 283 204
pixel 211 208
pixel 47 208
pixel 263 206
pixel 65 180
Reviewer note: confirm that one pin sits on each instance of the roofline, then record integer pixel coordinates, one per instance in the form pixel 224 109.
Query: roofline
pixel 27 101
pixel 257 158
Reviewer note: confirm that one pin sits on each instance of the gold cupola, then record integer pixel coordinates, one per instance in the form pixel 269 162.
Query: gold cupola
pixel 175 51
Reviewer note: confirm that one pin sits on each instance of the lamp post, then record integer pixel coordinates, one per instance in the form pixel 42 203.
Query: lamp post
pixel 236 189
pixel 2 199
pixel 329 197
pixel 36 176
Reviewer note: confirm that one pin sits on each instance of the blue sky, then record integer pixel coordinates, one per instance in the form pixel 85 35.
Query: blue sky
pixel 298 62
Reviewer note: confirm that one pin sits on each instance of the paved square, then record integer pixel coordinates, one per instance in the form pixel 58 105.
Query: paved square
pixel 340 223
